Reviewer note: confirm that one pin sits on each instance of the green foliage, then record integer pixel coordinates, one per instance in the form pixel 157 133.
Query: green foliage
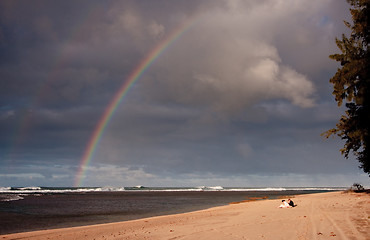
pixel 352 84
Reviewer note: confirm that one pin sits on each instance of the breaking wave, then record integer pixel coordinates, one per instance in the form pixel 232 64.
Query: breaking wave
pixel 17 193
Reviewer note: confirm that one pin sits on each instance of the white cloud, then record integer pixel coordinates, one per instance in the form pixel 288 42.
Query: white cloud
pixel 230 61
pixel 296 87
pixel 156 30
pixel 105 174
pixel 29 176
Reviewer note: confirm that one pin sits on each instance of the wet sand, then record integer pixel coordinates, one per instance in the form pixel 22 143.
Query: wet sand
pixel 334 215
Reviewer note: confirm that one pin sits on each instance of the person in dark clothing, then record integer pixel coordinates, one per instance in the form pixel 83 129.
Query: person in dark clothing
pixel 291 203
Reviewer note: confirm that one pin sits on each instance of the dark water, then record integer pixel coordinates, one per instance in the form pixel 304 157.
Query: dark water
pixel 46 211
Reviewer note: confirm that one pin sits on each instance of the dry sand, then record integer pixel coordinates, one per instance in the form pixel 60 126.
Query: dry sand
pixel 333 215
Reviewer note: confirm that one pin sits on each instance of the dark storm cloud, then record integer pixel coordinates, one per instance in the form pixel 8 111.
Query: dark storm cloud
pixel 288 141
pixel 243 94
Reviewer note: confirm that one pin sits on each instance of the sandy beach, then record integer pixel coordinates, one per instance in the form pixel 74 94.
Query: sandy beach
pixel 334 215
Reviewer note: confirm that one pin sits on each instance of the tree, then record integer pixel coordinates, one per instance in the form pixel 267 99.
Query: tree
pixel 352 85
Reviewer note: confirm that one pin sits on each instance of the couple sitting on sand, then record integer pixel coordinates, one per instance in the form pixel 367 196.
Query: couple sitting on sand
pixel 288 204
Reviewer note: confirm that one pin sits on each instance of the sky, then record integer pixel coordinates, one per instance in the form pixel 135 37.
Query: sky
pixel 239 98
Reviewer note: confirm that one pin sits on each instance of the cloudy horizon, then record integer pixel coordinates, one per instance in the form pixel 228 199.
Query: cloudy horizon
pixel 240 99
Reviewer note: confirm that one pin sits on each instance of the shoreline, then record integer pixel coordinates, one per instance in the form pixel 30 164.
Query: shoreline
pixel 55 211
pixel 317 216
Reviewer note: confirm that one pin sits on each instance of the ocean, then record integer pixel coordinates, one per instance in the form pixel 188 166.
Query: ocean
pixel 36 208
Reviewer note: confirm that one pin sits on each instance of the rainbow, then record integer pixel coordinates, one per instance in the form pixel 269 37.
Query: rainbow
pixel 132 78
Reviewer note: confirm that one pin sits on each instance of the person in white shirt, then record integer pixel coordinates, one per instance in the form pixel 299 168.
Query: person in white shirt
pixel 284 204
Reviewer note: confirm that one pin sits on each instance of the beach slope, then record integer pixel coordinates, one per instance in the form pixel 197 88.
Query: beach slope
pixel 334 215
